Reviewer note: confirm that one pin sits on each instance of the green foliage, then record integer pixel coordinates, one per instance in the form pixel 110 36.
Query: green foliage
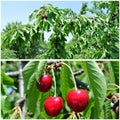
pixel 9 66
pixel 66 82
pixel 93 35
pixel 7 100
pixel 96 74
pixel 8 54
pixel 97 84
pixel 6 80
pixel 83 8
pixel 31 73
pixel 107 110
pixel 114 71
pixel 5 106
pixel 22 39
pixel 43 97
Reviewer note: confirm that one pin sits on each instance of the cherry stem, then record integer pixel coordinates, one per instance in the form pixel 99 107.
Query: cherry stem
pixel 72 75
pixel 112 84
pixel 54 81
pixel 45 72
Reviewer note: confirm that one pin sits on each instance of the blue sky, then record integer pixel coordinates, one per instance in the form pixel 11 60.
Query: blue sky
pixel 12 11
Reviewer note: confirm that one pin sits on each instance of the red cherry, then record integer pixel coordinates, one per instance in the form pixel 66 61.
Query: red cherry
pixel 43 16
pixel 77 100
pixel 53 105
pixel 45 83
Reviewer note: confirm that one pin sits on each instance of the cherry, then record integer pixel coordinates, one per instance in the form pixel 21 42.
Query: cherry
pixel 109 96
pixel 71 22
pixel 43 16
pixel 77 100
pixel 45 83
pixel 53 105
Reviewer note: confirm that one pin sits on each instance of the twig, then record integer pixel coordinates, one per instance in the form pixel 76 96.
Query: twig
pixel 79 72
pixel 21 83
pixel 51 65
pixel 20 101
pixel 112 84
pixel 12 73
pixel 21 89
pixel 55 64
pixel 79 82
pixel 52 62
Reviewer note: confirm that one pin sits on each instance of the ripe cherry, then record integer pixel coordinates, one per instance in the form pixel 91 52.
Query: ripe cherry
pixel 53 105
pixel 77 100
pixel 43 16
pixel 45 83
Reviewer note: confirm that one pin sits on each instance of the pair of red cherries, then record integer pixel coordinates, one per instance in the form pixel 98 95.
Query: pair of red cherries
pixel 77 100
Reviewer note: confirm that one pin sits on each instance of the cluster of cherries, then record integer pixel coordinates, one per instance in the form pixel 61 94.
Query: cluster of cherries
pixel 77 100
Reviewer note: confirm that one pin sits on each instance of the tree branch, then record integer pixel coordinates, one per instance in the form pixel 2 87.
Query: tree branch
pixel 12 73
pixel 79 72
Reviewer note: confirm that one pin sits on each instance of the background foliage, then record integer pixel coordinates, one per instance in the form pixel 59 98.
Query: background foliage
pixel 98 75
pixel 94 33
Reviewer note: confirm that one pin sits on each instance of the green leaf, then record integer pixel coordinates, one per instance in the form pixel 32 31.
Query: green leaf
pixel 14 36
pixel 6 79
pixel 5 104
pixel 43 97
pixel 97 85
pixel 114 71
pixel 21 34
pixel 66 82
pixel 8 54
pixel 44 115
pixel 32 16
pixel 4 89
pixel 107 110
pixel 31 73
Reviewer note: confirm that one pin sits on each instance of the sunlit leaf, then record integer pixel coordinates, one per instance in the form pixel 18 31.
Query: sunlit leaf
pixel 31 73
pixel 97 82
pixel 66 81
